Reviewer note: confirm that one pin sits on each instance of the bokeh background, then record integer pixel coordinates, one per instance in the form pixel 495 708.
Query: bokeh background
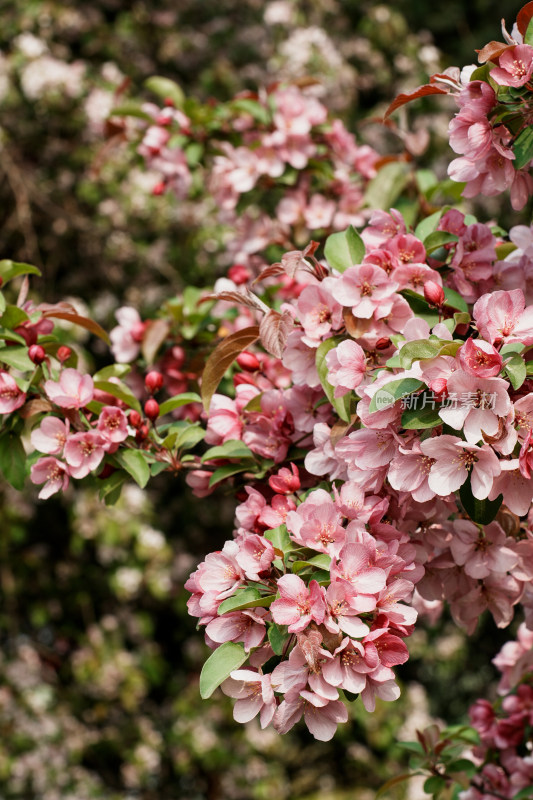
pixel 99 660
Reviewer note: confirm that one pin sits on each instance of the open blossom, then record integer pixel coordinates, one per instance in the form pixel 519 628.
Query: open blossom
pixel 453 459
pixel 478 357
pixel 321 716
pixel 246 626
pixel 53 473
pixel 84 452
pixel 366 289
pixel 254 695
pixel 11 396
pixel 503 316
pixel 126 338
pixel 515 66
pixel 50 436
pixel 113 424
pixel 298 605
pixel 73 390
pixel 346 367
pixel 476 405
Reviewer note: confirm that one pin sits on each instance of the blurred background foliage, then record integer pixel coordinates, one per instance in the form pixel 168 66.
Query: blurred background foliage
pixel 99 660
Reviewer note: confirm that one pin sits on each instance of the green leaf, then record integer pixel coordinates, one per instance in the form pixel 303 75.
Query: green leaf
pixel 111 487
pixel 340 404
pixel 527 791
pixel 413 747
pixel 454 299
pixel 178 401
pixel 112 371
pixel 428 225
pixel 438 239
pixel 157 467
pixel 252 107
pixel 130 110
pixel 163 88
pixel 11 269
pixel 516 370
pixel 135 464
pixel 233 448
pixel 427 180
pixel 418 350
pixel 434 785
pixel 13 460
pixel 344 249
pixel 512 347
pixel 504 249
pixel 277 636
pixel 121 391
pixel 414 419
pixel 393 391
pixel 387 185
pixel 481 511
pixel 394 782
pixel 461 765
pixel 280 539
pixel 16 357
pixel 189 437
pixel 323 561
pixel 245 600
pixel 13 316
pixel 226 658
pixel 523 147
pixel 227 471
pixel 420 307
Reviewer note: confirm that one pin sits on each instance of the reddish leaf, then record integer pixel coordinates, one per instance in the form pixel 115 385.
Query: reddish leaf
pixel 309 642
pixel 270 272
pixel 492 51
pixel 274 329
pixel 340 429
pixel 406 97
pixel 155 334
pixel 33 407
pixel 524 17
pixel 249 299
pixel 355 326
pixel 83 322
pixel 222 357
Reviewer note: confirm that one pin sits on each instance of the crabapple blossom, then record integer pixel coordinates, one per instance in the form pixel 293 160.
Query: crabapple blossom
pixel 73 390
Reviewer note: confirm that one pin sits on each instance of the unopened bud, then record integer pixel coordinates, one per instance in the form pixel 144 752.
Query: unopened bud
pixel 434 294
pixel 384 343
pixel 142 433
pixel 153 381
pixel 135 419
pixel 137 331
pixel 248 361
pixel 159 189
pixel 239 274
pixel 243 377
pixel 107 471
pixel 63 353
pixel 168 101
pixel 151 409
pixel 36 354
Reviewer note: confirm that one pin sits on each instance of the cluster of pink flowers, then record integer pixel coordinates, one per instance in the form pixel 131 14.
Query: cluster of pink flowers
pixel 403 486
pixel 342 623
pixel 83 448
pixel 262 139
pixel 505 762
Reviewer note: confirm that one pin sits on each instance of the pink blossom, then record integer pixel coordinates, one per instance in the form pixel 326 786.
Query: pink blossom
pixel 318 312
pixel 409 472
pixel 476 404
pixel 50 436
pixel 341 615
pixel 84 452
pixel 453 460
pixel 73 390
pixel 481 553
pixel 113 424
pixel 220 572
pixel 298 605
pixel 127 336
pixel 254 695
pixel 365 288
pixel 346 367
pixel 11 397
pixel 503 316
pixel 321 716
pixel 246 626
pixel 478 357
pixel 286 481
pixel 515 66
pixel 53 473
pixel 356 567
pixel 255 556
pixel 322 530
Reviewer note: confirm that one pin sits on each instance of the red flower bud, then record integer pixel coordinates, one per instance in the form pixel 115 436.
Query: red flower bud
pixel 239 274
pixel 36 354
pixel 63 353
pixel 153 381
pixel 383 343
pixel 242 377
pixel 168 101
pixel 142 433
pixel 248 361
pixel 159 189
pixel 135 419
pixel 151 409
pixel 107 470
pixel 137 331
pixel 434 294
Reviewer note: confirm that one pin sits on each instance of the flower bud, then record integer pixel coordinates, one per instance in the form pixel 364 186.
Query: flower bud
pixel 107 470
pixel 383 343
pixel 159 189
pixel 434 294
pixel 239 274
pixel 151 409
pixel 63 353
pixel 135 419
pixel 248 361
pixel 36 354
pixel 153 381
pixel 142 433
pixel 137 331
